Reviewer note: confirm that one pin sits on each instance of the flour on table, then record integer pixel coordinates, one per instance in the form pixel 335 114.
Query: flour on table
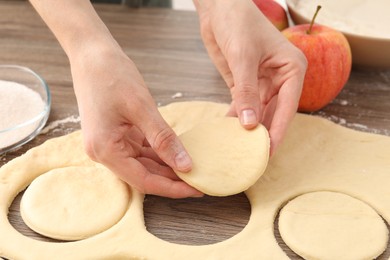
pixel 58 123
pixel 343 102
pixel 177 95
pixel 333 118
pixel 356 126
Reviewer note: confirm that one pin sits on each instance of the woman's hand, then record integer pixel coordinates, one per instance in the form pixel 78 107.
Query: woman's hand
pixel 263 70
pixel 122 127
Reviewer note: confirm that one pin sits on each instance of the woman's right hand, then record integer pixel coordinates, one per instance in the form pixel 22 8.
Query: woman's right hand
pixel 122 127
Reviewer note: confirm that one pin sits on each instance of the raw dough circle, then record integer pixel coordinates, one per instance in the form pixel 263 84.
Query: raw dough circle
pixel 183 116
pixel 332 225
pixel 227 159
pixel 74 203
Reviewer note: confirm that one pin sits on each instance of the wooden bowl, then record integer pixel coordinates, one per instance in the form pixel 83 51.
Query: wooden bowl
pixel 366 51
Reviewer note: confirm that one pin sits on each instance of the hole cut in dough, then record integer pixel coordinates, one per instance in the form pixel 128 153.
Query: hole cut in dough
pixel 74 203
pixel 194 223
pixel 331 225
pixel 227 159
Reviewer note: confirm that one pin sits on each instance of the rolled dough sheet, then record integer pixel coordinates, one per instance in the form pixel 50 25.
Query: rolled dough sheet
pixel 329 225
pixel 227 159
pixel 74 203
pixel 317 155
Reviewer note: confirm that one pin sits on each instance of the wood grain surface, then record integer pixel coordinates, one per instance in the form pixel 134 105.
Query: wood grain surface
pixel 168 51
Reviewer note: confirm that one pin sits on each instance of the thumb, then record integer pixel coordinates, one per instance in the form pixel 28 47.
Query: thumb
pixel 245 93
pixel 165 142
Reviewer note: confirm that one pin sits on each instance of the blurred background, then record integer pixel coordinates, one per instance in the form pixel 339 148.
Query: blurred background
pixel 175 4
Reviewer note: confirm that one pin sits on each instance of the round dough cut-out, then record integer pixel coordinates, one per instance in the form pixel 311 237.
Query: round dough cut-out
pixel 227 159
pixel 74 203
pixel 183 116
pixel 331 225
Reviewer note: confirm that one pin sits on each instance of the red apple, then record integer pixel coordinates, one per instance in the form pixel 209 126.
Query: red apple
pixel 329 63
pixel 274 12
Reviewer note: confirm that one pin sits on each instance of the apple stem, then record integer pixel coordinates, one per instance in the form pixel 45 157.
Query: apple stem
pixel 312 20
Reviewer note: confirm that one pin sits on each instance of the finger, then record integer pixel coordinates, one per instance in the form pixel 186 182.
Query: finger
pixel 159 185
pixel 148 152
pixel 232 109
pixel 146 143
pixel 136 174
pixel 286 108
pixel 245 91
pixel 156 168
pixel 214 51
pixel 164 141
pixel 219 61
pixel 269 112
pixel 134 134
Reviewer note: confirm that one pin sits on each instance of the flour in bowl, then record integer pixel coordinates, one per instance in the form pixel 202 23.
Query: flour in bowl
pixel 18 104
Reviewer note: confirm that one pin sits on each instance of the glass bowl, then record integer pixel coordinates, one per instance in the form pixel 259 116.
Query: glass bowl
pixel 23 113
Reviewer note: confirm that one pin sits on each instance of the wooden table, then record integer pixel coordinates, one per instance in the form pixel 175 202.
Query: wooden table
pixel 168 51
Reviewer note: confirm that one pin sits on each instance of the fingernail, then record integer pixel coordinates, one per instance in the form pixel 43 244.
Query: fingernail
pixel 248 117
pixel 183 161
